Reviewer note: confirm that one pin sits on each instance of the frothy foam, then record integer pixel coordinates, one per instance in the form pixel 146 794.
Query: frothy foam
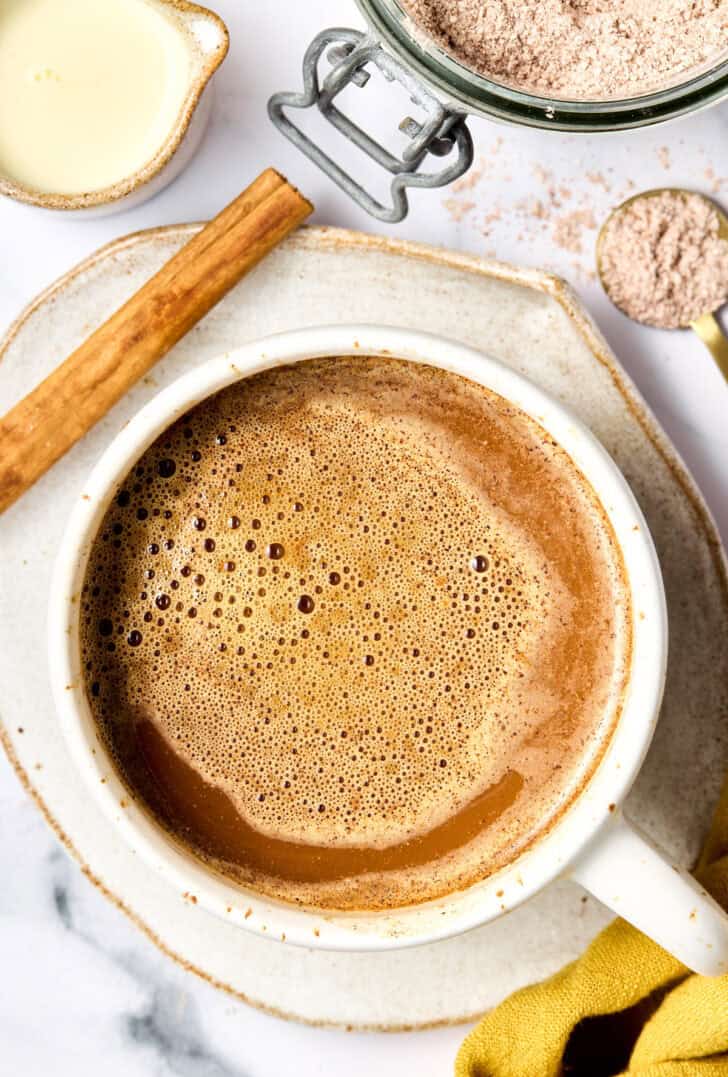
pixel 356 631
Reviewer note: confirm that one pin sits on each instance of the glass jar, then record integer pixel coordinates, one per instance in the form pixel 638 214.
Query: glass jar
pixel 447 91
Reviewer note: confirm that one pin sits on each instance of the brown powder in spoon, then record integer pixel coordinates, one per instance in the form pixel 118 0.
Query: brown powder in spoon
pixel 662 261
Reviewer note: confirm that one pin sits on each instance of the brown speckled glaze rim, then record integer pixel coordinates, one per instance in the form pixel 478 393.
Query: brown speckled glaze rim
pixel 208 62
pixel 331 239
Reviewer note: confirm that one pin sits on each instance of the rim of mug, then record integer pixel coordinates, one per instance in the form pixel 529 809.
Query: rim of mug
pixel 551 854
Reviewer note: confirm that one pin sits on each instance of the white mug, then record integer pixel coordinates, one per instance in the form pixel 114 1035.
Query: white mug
pixel 591 842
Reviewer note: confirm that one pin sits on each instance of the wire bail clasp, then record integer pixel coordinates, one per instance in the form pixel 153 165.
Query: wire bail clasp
pixel 443 132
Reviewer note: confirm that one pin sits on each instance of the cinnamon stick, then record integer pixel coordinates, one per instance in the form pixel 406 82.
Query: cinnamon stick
pixel 59 411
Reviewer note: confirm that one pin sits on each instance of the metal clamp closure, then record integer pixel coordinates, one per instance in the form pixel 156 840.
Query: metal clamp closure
pixel 443 133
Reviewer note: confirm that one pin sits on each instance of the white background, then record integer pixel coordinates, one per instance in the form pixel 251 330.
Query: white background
pixel 81 989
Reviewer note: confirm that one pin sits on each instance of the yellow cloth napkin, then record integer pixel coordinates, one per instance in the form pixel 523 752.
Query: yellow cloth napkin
pixel 625 1007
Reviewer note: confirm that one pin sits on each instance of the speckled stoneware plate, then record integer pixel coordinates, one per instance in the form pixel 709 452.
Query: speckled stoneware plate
pixel 528 320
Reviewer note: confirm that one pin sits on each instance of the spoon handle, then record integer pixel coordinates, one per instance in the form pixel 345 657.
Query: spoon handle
pixel 714 339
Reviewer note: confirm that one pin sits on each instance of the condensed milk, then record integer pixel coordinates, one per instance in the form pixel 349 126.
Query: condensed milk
pixel 89 91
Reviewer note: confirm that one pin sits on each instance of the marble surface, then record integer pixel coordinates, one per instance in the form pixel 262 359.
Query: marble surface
pixel 81 988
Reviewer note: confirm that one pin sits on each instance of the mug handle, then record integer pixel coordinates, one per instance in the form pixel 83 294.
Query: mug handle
pixel 626 871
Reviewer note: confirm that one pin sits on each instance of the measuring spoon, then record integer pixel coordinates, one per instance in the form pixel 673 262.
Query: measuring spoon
pixel 704 324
